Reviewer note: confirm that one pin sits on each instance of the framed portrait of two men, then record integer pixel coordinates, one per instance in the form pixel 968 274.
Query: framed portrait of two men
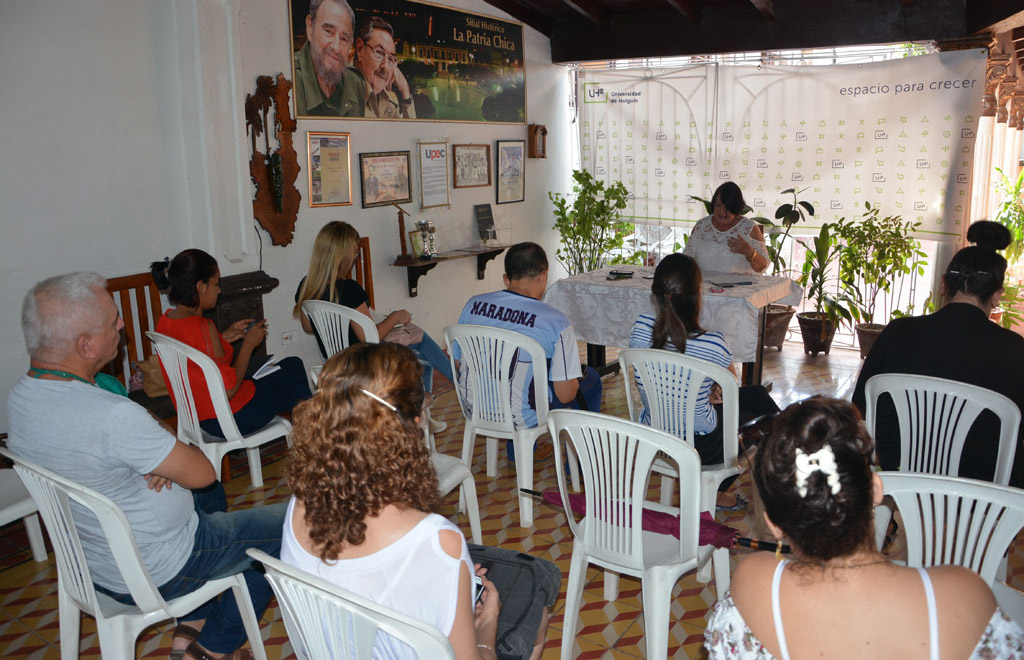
pixel 405 60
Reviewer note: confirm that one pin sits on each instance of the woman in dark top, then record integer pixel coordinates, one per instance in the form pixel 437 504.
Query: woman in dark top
pixel 334 252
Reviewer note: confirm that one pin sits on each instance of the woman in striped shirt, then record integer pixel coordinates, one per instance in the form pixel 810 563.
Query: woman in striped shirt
pixel 677 295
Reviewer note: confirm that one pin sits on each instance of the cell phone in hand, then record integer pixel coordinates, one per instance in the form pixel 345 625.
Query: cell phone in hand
pixel 253 325
pixel 479 583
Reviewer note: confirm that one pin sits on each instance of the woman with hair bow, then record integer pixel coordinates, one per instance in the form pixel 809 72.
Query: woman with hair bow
pixel 838 597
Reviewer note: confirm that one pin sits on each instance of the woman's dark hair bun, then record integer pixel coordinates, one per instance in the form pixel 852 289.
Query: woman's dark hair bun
pixel 989 235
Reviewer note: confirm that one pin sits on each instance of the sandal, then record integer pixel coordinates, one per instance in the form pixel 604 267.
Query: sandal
pixel 196 652
pixel 189 633
pixel 741 504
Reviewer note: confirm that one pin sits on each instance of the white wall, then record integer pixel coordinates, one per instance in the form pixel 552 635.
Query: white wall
pixel 101 146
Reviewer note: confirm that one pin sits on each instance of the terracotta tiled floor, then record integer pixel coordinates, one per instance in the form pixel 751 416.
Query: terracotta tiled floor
pixel 28 591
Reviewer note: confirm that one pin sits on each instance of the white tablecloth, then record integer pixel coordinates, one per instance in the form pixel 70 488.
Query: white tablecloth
pixel 603 311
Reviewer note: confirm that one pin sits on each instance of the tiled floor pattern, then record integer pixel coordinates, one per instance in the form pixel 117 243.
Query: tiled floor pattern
pixel 28 591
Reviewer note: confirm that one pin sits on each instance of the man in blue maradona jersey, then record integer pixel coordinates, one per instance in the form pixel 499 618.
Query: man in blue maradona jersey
pixel 518 308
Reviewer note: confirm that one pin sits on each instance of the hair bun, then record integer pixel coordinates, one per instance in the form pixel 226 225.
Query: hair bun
pixel 989 235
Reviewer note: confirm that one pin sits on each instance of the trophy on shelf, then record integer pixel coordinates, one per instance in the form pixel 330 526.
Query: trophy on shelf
pixel 425 231
pixel 405 258
pixel 431 230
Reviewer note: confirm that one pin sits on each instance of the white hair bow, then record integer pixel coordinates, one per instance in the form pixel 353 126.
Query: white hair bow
pixel 807 464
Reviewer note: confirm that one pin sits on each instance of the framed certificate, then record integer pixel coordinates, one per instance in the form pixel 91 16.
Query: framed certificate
pixel 329 168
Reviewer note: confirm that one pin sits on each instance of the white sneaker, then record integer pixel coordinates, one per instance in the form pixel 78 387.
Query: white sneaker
pixel 437 426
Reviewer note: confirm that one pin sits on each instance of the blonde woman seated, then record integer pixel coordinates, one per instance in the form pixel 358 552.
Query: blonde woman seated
pixel 839 598
pixel 334 252
pixel 361 516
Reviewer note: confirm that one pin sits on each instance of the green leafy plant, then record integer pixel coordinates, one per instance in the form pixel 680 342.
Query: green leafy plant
pixel 1013 294
pixel 815 277
pixel 877 250
pixel 1011 212
pixel 788 214
pixel 589 227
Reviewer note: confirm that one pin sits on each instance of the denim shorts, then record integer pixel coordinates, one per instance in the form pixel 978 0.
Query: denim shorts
pixel 526 585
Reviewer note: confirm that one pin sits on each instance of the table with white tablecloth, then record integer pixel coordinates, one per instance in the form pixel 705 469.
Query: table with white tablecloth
pixel 603 311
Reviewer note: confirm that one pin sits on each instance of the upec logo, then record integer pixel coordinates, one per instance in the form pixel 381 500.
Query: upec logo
pixel 432 153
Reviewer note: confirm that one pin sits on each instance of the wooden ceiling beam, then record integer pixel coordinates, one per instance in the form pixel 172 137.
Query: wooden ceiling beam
pixel 692 10
pixel 766 7
pixel 525 14
pixel 590 10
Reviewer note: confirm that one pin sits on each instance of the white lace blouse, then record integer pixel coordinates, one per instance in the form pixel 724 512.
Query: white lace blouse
pixel 710 247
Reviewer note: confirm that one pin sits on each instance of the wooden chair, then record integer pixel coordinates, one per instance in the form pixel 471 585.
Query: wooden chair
pixel 362 269
pixel 138 300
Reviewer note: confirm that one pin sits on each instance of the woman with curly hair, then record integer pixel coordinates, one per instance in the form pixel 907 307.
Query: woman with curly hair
pixel 361 514
pixel 839 597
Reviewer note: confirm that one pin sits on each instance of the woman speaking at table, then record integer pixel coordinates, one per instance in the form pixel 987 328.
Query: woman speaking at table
pixel 726 241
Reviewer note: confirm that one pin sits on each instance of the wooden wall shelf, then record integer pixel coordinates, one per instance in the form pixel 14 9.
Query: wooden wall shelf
pixel 418 268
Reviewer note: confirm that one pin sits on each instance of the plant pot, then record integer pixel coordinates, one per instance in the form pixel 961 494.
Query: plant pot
pixel 867 333
pixel 776 324
pixel 811 324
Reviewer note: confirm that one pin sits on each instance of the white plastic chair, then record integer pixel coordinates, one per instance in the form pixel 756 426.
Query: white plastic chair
pixel 118 625
pixel 616 458
pixel 326 622
pixel 15 503
pixel 332 323
pixel 452 473
pixel 951 520
pixel 934 416
pixel 672 382
pixel 491 355
pixel 175 356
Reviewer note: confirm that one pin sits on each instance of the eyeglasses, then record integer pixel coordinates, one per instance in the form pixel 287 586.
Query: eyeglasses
pixel 379 54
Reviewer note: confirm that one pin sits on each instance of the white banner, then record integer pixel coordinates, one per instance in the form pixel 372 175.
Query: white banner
pixel 899 134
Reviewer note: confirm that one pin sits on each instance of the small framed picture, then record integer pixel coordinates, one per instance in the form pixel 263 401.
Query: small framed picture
pixel 511 171
pixel 472 166
pixel 329 168
pixel 385 178
pixel 416 243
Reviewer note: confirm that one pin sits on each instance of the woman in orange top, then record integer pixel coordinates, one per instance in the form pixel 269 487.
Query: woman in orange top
pixel 192 283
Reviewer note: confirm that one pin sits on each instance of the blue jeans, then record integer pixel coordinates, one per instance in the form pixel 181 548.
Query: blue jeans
pixel 219 551
pixel 590 388
pixel 276 393
pixel 432 357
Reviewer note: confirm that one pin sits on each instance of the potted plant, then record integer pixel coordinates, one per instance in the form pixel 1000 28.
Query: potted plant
pixel 877 250
pixel 817 328
pixel 590 226
pixel 778 317
pixel 1011 214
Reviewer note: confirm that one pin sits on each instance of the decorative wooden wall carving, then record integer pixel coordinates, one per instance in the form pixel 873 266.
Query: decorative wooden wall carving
pixel 276 204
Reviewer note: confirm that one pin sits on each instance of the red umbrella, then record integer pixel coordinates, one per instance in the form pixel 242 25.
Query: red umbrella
pixel 711 532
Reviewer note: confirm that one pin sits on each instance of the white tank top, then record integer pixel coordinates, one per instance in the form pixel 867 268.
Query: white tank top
pixel 413 575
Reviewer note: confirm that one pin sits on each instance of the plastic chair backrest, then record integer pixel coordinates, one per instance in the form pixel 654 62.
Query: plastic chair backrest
pixel 672 383
pixel 934 416
pixel 175 356
pixel 491 356
pixel 615 459
pixel 332 322
pixel 325 622
pixel 56 498
pixel 951 520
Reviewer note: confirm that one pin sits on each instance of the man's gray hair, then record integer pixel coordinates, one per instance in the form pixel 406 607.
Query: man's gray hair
pixel 59 309
pixel 314 7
